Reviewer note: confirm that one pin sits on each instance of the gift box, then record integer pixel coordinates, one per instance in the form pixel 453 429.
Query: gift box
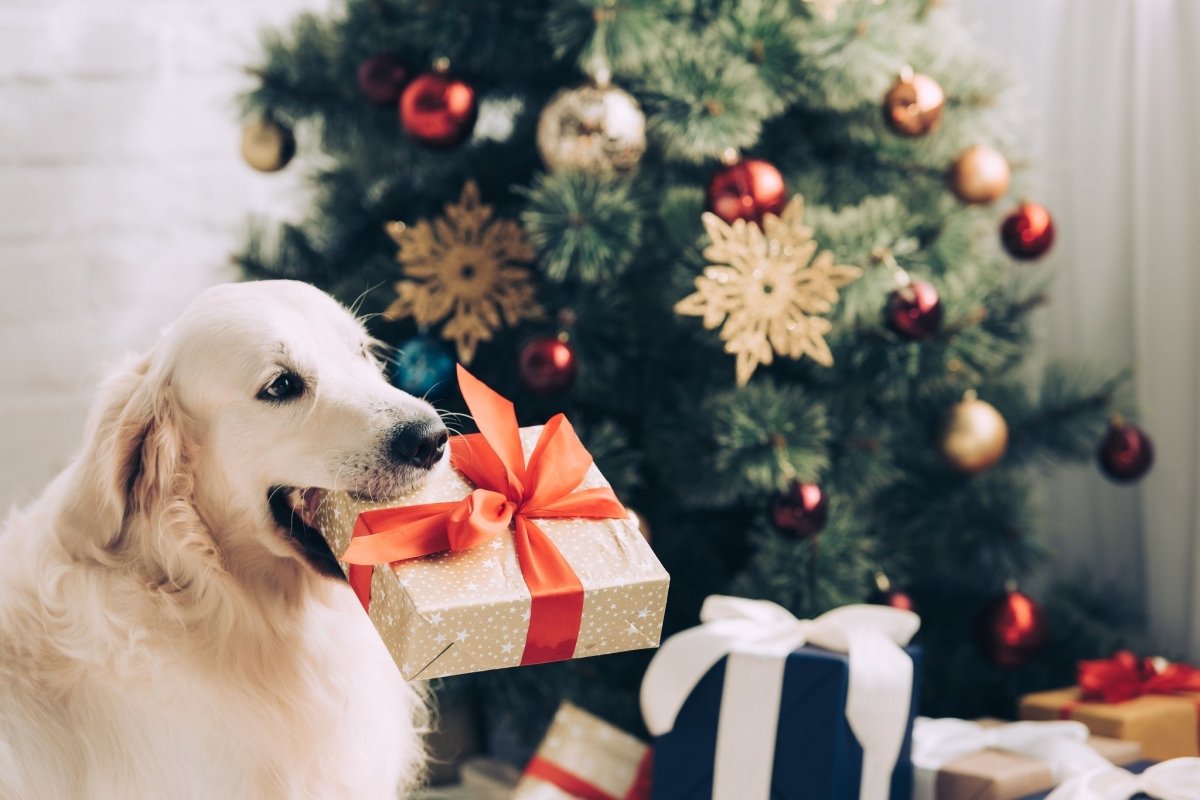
pixel 517 553
pixel 1152 702
pixel 991 760
pixel 582 757
pixel 755 704
pixel 1136 768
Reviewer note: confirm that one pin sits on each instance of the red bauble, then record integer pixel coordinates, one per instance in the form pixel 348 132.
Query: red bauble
pixel 915 311
pixel 1126 454
pixel 381 79
pixel 547 364
pixel 1027 232
pixel 801 511
pixel 894 598
pixel 746 190
pixel 1011 629
pixel 438 110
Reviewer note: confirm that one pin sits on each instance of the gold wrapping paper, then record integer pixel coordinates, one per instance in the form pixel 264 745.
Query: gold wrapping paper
pixel 453 613
pixel 998 775
pixel 1166 726
pixel 588 747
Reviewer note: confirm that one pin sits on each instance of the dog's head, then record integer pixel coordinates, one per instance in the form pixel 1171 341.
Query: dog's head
pixel 258 395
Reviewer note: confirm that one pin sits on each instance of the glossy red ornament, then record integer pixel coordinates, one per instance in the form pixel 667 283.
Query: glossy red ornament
pixel 801 511
pixel 746 190
pixel 1126 454
pixel 1011 629
pixel 438 110
pixel 1027 232
pixel 381 79
pixel 915 311
pixel 547 365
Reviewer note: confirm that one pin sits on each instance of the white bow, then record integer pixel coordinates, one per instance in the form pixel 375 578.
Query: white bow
pixel 1177 779
pixel 1062 746
pixel 758 636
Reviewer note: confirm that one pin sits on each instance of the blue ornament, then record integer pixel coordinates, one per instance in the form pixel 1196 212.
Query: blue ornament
pixel 422 366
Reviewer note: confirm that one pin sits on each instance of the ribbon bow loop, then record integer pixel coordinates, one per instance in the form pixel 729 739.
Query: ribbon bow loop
pixel 1124 677
pixel 1177 779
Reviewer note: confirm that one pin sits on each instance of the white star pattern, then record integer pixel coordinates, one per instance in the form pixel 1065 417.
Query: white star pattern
pixel 477 601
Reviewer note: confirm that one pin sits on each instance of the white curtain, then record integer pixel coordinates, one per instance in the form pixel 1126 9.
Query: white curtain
pixel 1110 93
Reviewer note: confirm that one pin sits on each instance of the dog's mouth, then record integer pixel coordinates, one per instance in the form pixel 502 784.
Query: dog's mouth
pixel 294 511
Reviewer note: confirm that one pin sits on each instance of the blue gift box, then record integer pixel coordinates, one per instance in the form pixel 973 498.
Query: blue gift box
pixel 1136 768
pixel 817 756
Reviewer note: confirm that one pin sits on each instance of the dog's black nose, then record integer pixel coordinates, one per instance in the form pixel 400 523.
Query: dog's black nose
pixel 419 444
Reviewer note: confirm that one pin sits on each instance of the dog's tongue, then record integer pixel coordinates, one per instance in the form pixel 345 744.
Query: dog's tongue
pixel 308 509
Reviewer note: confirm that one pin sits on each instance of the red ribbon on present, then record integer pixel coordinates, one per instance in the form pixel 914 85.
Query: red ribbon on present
pixel 550 772
pixel 1125 676
pixel 510 495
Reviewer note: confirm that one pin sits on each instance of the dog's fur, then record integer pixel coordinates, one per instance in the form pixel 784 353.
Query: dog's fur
pixel 160 634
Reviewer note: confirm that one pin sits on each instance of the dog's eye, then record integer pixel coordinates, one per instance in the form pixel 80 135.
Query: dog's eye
pixel 285 387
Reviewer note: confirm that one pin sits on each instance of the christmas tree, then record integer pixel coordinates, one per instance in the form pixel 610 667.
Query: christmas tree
pixel 765 256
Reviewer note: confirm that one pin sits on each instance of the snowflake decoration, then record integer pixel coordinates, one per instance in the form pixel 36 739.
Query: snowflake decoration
pixel 764 289
pixel 464 267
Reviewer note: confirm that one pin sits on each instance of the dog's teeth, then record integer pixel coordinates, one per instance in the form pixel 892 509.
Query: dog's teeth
pixel 310 500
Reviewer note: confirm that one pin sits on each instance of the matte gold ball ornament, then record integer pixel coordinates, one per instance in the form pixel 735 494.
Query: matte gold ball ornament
pixel 593 128
pixel 973 436
pixel 267 145
pixel 979 175
pixel 914 104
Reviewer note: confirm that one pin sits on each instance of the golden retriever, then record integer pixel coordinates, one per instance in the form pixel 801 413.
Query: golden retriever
pixel 169 626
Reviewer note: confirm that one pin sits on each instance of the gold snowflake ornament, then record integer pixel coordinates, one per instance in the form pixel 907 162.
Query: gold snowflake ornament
pixel 764 289
pixel 466 267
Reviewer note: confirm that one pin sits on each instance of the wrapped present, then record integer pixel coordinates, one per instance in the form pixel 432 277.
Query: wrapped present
pixel 1178 779
pixel 519 553
pixel 756 704
pixel 582 757
pixel 1152 702
pixel 956 759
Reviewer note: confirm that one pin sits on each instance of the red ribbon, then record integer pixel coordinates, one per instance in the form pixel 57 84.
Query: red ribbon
pixel 510 495
pixel 1125 676
pixel 572 784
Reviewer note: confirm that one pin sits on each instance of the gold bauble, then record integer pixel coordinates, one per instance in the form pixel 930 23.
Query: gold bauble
pixel 974 435
pixel 595 129
pixel 266 145
pixel 913 106
pixel 980 174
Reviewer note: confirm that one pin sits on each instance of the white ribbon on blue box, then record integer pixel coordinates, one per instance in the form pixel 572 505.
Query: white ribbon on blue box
pixel 757 636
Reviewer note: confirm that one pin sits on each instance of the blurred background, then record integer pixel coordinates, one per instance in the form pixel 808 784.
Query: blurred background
pixel 122 194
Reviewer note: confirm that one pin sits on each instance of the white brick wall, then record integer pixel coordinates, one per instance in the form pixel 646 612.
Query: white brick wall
pixel 122 194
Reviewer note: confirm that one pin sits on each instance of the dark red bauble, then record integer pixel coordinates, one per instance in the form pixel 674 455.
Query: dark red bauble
pixel 1011 629
pixel 894 598
pixel 801 511
pixel 1126 454
pixel 746 190
pixel 547 365
pixel 438 110
pixel 1027 232
pixel 915 311
pixel 381 79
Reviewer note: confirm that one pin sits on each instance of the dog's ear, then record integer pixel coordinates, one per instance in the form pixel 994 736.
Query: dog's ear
pixel 132 494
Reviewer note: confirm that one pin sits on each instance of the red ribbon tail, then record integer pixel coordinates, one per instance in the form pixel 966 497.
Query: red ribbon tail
pixel 546 770
pixel 556 611
pixel 360 581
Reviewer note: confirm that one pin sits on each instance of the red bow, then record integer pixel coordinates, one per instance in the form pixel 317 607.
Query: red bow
pixel 510 495
pixel 546 770
pixel 1124 677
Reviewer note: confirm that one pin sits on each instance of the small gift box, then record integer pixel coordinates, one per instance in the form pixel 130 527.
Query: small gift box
pixel 1152 702
pixel 519 553
pixel 1178 779
pixel 755 704
pixel 989 760
pixel 582 757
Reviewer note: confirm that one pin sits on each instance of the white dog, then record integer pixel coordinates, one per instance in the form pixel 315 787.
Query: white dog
pixel 168 628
